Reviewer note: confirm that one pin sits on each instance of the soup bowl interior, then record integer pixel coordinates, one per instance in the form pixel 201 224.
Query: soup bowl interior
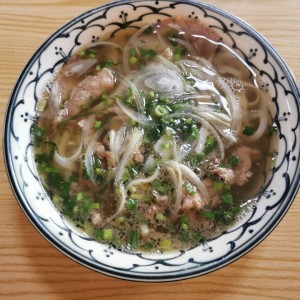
pixel 99 24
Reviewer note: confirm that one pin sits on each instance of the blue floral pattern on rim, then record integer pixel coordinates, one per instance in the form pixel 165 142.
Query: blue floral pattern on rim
pixel 274 199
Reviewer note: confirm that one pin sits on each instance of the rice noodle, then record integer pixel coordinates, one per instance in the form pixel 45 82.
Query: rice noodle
pixel 234 106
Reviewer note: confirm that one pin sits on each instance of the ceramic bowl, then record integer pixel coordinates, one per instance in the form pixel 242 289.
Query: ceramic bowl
pixel 274 200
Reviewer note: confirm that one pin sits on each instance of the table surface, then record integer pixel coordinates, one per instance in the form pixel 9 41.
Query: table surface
pixel 30 268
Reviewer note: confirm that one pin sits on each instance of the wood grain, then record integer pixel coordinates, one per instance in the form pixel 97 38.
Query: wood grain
pixel 30 268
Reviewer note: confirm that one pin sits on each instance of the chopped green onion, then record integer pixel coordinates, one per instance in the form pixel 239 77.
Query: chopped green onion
pixel 166 146
pixel 107 234
pixel 218 185
pixel 75 209
pixel 133 60
pixel 176 56
pixel 79 196
pixel 92 53
pixel 148 53
pixel 132 52
pixel 74 177
pixel 161 110
pixel 82 53
pixel 151 94
pixel 226 186
pixel 195 132
pixel 191 190
pixel 184 219
pixel 184 227
pixel 107 63
pixel 56 200
pixel 134 239
pixel 234 160
pixel 148 246
pixel 184 236
pixel 188 121
pixel 137 196
pixel 41 104
pixel 179 52
pixel 38 134
pixel 149 30
pixel 160 217
pixel 95 206
pixel 165 244
pixel 227 198
pixel 97 124
pixel 248 130
pixel 210 144
pixel 272 129
pixel 208 214
pixel 132 204
pixel 121 220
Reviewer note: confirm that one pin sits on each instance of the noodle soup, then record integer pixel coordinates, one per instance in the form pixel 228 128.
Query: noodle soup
pixel 156 139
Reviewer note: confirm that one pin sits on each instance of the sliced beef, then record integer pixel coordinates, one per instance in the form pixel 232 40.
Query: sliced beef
pixel 247 156
pixel 193 28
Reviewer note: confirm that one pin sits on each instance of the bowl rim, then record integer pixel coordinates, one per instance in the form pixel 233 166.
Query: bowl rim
pixel 231 257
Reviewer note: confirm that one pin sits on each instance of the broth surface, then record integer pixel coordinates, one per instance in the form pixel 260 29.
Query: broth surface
pixel 155 140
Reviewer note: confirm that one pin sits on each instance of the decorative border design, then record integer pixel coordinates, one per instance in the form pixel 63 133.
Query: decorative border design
pixel 274 200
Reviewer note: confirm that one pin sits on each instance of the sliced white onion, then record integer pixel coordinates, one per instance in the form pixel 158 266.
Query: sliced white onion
pixel 165 83
pixel 139 118
pixel 143 180
pixel 88 157
pixel 161 148
pixel 134 140
pixel 149 163
pixel 79 67
pixel 122 202
pixel 68 162
pixel 178 183
pixel 203 133
pixel 112 135
pixel 55 97
pixel 188 173
pixel 120 137
pixel 184 150
pixel 263 122
pixel 234 105
pixel 137 97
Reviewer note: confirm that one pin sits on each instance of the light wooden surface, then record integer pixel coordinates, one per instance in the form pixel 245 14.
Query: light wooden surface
pixel 30 268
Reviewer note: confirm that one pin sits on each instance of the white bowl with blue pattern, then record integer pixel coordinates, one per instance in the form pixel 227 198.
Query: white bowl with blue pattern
pixel 274 200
